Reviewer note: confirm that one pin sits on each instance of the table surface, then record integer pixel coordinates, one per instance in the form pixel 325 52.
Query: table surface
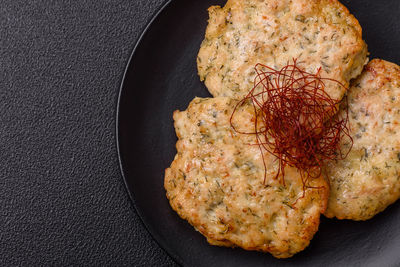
pixel 62 197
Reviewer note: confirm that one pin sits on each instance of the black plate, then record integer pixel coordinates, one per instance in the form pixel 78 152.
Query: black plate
pixel 162 77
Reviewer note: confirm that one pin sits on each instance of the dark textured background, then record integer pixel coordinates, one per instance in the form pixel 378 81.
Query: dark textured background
pixel 62 199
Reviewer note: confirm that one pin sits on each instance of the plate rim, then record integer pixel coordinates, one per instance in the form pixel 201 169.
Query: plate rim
pixel 130 61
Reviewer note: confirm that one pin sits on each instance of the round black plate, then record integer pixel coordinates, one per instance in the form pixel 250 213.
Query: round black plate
pixel 162 77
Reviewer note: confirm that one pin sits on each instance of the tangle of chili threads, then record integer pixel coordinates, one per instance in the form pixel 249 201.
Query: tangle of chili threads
pixel 293 120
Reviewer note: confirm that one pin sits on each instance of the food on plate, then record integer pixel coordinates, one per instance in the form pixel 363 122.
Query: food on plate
pixel 368 180
pixel 216 182
pixel 293 120
pixel 250 164
pixel 318 33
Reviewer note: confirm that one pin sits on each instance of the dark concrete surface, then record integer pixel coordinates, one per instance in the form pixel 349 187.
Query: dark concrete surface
pixel 62 198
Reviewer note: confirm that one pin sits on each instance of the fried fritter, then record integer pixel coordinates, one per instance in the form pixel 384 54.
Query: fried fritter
pixel 368 180
pixel 216 183
pixel 318 33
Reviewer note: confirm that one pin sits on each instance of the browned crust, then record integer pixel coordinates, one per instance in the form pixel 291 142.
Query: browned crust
pixel 370 194
pixel 215 75
pixel 180 193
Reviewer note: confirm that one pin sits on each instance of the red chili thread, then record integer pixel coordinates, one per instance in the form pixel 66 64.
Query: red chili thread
pixel 293 120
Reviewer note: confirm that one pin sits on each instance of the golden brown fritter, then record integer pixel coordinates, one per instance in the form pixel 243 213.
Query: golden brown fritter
pixel 368 180
pixel 216 184
pixel 318 33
